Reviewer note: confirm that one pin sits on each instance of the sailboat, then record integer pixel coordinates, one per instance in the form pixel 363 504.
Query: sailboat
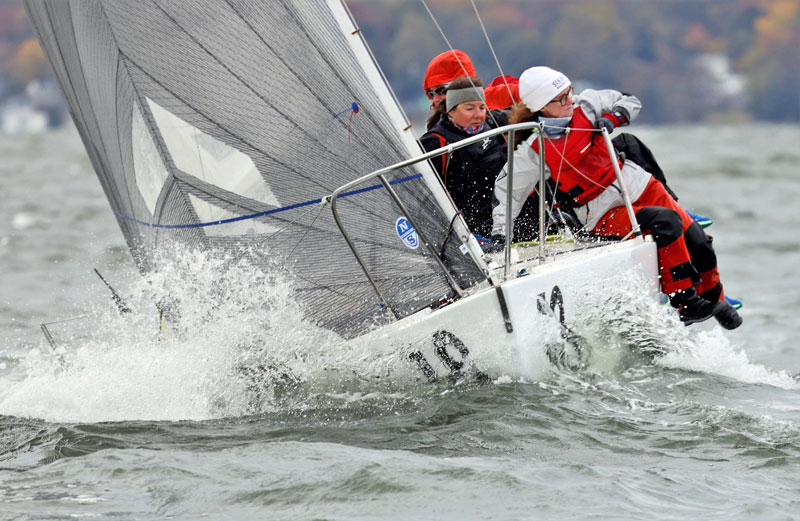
pixel 267 130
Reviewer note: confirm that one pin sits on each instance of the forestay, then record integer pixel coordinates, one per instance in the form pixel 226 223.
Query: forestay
pixel 195 112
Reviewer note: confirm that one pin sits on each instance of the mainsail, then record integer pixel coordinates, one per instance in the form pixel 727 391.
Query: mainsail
pixel 198 114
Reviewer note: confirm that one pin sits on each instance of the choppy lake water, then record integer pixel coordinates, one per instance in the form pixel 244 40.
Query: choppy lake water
pixel 140 426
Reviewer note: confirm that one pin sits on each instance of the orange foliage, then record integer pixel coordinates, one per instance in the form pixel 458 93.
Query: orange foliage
pixel 29 61
pixel 776 28
pixel 780 20
pixel 696 36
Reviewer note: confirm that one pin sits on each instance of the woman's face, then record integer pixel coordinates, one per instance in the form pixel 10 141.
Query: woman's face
pixel 469 113
pixel 561 106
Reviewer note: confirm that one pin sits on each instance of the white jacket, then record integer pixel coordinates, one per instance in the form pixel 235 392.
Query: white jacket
pixel 594 103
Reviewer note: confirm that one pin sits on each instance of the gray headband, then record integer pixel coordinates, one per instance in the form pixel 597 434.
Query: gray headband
pixel 458 96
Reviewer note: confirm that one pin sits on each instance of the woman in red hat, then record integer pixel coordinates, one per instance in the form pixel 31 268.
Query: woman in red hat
pixel 450 65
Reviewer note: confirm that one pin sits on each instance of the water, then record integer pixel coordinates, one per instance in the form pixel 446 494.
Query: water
pixel 257 415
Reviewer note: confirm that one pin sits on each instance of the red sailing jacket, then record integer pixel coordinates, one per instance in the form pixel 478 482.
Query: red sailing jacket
pixel 579 161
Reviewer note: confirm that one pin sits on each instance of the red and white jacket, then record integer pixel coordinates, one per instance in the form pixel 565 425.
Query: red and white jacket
pixel 578 161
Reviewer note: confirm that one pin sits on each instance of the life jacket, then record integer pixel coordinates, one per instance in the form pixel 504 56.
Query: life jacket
pixel 579 161
pixel 478 156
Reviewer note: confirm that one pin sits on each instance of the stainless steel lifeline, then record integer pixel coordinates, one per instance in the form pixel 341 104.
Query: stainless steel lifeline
pixel 507 129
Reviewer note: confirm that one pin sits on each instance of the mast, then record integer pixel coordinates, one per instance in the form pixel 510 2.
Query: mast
pixel 380 85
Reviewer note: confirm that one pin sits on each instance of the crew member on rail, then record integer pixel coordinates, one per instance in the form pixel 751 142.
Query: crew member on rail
pixel 501 93
pixel 468 173
pixel 577 159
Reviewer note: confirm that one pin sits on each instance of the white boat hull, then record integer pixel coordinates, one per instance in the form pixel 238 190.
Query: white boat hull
pixel 470 335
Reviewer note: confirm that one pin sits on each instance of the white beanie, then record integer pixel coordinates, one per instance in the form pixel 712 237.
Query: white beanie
pixel 539 85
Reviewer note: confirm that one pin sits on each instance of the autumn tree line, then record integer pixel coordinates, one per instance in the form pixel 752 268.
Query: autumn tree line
pixel 688 60
pixel 21 59
pixel 667 52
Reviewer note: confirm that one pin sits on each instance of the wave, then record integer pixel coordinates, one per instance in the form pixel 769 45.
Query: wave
pixel 236 344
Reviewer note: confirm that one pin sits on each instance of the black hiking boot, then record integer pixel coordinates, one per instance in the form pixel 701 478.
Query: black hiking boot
pixel 693 309
pixel 726 315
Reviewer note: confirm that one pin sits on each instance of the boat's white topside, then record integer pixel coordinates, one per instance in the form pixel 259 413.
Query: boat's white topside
pixel 560 255
pixel 473 329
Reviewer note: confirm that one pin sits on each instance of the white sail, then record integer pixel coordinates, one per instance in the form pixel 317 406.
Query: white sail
pixel 199 114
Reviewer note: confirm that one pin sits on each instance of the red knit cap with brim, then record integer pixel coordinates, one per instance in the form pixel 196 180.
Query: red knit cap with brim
pixel 445 68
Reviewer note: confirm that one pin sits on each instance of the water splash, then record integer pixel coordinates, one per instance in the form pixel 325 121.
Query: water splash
pixel 642 325
pixel 235 341
pixel 711 351
pixel 626 326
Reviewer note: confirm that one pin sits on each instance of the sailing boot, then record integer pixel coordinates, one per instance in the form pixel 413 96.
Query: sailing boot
pixel 727 316
pixel 736 303
pixel 702 220
pixel 693 309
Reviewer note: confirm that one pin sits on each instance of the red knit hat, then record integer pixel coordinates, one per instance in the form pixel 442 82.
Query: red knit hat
pixel 504 80
pixel 445 68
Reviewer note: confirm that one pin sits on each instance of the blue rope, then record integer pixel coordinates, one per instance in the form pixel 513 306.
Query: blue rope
pixel 268 212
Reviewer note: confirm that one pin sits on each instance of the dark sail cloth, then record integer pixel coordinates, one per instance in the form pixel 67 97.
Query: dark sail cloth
pixel 469 173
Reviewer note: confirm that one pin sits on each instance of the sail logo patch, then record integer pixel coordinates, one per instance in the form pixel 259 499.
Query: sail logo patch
pixel 407 233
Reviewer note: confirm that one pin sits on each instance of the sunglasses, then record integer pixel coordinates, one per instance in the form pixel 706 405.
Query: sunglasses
pixel 439 90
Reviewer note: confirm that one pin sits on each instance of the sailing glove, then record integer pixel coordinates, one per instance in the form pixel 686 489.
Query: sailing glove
pixel 605 123
pixel 611 120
